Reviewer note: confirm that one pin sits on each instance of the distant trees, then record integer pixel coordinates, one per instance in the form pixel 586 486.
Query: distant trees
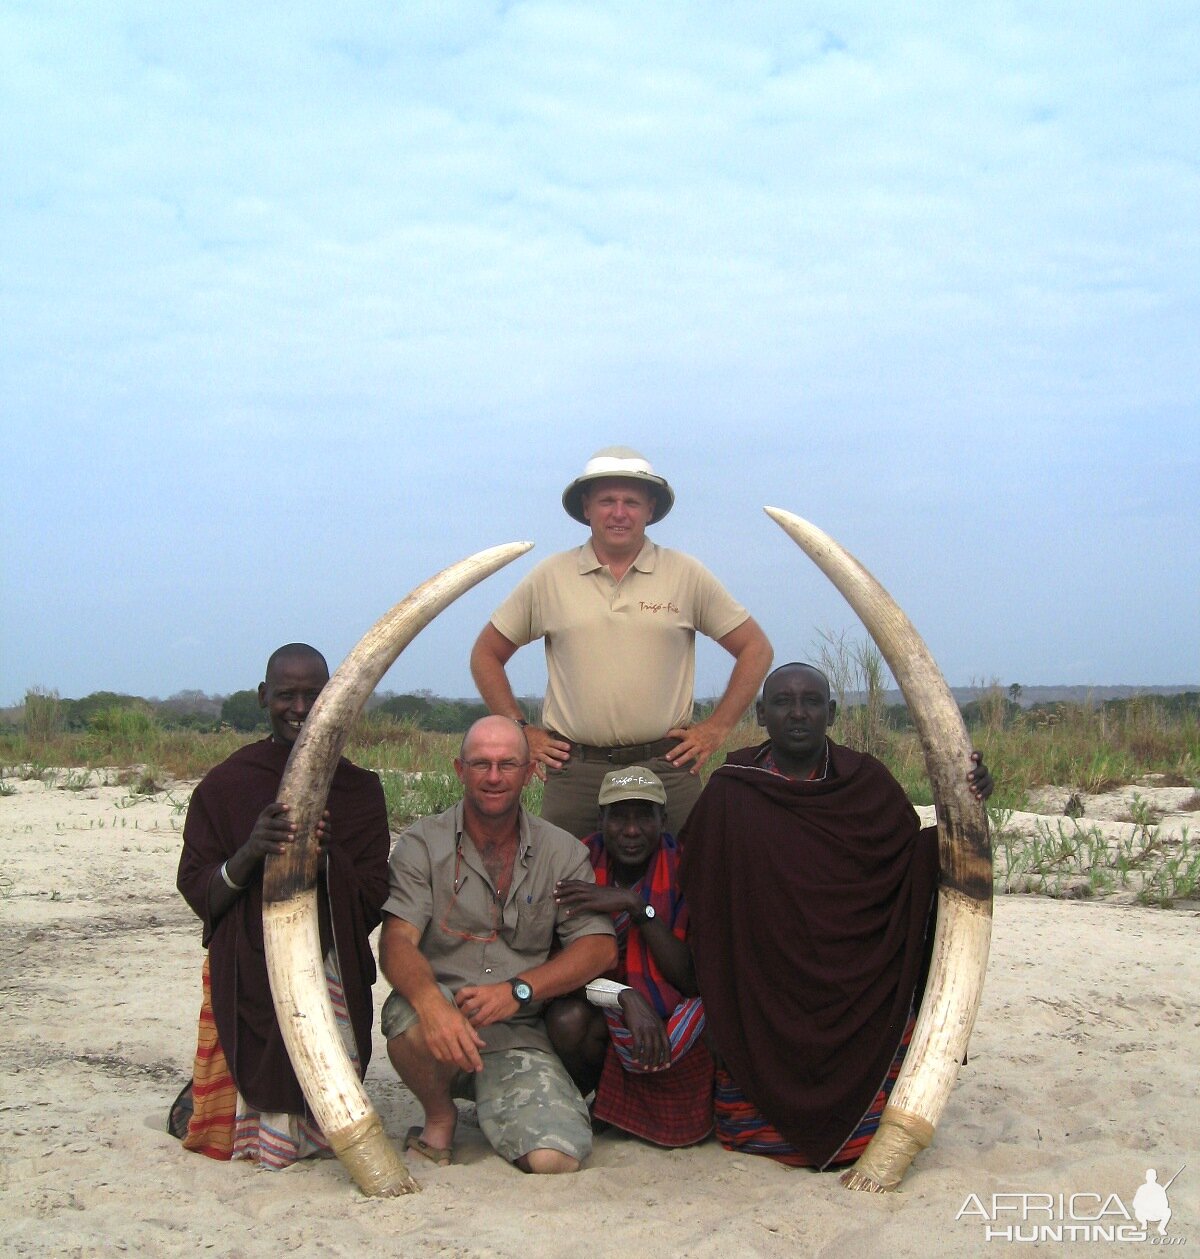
pixel 241 711
pixel 430 712
pixel 190 705
pixel 84 711
pixel 45 714
pixel 415 708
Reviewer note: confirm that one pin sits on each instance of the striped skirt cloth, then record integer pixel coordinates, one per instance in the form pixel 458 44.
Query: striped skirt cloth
pixel 742 1128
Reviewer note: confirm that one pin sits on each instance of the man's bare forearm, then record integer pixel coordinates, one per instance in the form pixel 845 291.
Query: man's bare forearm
pixel 403 964
pixel 751 658
pixel 672 954
pixel 492 651
pixel 752 655
pixel 581 961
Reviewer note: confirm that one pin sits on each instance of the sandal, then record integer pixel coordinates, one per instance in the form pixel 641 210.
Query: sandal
pixel 438 1156
pixel 180 1113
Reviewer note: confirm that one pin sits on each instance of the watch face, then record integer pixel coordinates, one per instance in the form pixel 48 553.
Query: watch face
pixel 522 991
pixel 648 912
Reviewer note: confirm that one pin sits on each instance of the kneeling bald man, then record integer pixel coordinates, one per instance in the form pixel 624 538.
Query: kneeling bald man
pixel 468 928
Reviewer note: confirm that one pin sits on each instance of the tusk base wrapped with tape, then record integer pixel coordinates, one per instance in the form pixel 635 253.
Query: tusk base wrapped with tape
pixel 899 1138
pixel 314 1044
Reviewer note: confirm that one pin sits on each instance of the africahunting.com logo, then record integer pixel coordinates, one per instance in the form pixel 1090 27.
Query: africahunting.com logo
pixel 1077 1217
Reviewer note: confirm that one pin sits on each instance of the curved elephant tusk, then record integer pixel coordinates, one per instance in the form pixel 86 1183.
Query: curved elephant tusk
pixel 290 930
pixel 964 922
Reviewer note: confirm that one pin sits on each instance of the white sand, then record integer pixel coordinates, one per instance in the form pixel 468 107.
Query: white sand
pixel 1083 1073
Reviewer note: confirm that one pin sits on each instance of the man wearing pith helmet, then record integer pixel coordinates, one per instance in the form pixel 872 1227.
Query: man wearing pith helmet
pixel 619 617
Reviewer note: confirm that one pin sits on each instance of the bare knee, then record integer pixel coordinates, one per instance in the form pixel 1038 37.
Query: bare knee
pixel 405 1050
pixel 569 1023
pixel 547 1163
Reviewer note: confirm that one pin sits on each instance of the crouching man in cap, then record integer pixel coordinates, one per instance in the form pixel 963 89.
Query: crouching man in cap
pixel 619 616
pixel 639 1042
pixel 468 928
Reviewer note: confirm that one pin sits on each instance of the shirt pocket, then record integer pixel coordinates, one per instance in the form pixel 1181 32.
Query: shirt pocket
pixel 535 926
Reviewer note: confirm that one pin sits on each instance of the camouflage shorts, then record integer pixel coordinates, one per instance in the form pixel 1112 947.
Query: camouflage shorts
pixel 524 1098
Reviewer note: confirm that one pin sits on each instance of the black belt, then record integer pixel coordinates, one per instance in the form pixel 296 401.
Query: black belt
pixel 626 754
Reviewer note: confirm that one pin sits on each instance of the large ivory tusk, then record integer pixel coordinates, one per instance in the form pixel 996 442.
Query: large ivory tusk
pixel 964 924
pixel 290 930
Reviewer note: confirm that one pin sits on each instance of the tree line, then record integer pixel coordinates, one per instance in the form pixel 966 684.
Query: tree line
pixel 240 711
pixel 195 710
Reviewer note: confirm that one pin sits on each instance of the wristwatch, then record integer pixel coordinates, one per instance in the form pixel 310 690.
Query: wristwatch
pixel 645 914
pixel 522 992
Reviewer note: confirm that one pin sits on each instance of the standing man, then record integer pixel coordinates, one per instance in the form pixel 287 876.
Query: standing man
pixel 619 616
pixel 246 1098
pixel 468 929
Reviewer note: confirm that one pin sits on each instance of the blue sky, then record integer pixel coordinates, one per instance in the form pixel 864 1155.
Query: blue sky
pixel 301 304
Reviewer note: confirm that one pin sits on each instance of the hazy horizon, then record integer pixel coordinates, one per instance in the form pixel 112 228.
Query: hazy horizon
pixel 890 692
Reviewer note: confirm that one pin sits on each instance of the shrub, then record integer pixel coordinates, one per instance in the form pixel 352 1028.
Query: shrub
pixel 44 716
pixel 241 711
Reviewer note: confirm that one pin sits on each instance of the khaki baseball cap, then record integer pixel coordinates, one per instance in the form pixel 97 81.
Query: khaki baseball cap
pixel 632 782
pixel 618 461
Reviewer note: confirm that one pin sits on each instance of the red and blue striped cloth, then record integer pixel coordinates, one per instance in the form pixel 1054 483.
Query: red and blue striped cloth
pixel 223 1125
pixel 684 1026
pixel 659 887
pixel 671 1106
pixel 742 1128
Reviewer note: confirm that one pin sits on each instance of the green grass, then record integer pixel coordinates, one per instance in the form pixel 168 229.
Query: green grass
pixel 1086 749
pixel 1069 859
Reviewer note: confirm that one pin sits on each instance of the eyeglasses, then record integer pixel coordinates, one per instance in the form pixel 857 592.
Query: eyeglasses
pixel 508 768
pixel 462 930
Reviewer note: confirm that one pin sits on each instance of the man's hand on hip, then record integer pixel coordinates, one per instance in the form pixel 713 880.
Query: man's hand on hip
pixel 696 744
pixel 547 751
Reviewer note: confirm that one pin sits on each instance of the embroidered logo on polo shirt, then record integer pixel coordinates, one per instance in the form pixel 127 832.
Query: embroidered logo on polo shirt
pixel 657 607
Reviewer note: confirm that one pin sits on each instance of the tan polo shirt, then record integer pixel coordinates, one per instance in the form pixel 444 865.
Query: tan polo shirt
pixel 437 882
pixel 620 656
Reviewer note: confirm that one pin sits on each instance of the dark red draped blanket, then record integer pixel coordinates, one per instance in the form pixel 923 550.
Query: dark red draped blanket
pixel 350 896
pixel 810 903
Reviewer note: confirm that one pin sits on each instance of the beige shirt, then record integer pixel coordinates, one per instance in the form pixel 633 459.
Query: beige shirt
pixel 438 883
pixel 620 656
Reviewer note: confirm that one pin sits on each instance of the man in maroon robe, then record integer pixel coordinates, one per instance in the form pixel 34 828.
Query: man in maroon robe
pixel 811 889
pixel 233 824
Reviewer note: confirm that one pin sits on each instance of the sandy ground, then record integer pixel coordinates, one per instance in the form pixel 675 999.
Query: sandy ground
pixel 1083 1074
